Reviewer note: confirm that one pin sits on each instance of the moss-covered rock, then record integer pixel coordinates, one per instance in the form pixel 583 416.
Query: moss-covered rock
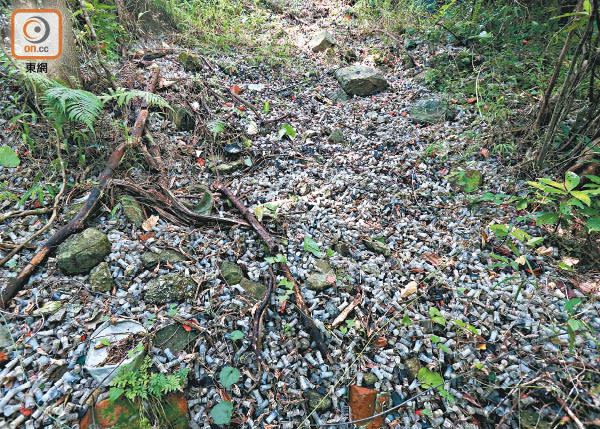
pixel 360 80
pixel 190 62
pixel 231 273
pixel 83 251
pixel 151 259
pixel 101 279
pixel 132 210
pixel 168 288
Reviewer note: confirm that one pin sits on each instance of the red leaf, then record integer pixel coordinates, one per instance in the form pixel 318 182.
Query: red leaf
pixel 471 100
pixel 242 108
pixel 485 152
pixel 187 328
pixel 418 412
pixel 26 411
pixel 145 237
pixel 380 342
pixel 236 89
pixel 201 162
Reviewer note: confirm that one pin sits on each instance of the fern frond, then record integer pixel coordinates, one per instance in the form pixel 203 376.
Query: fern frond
pixel 125 96
pixel 41 81
pixel 75 104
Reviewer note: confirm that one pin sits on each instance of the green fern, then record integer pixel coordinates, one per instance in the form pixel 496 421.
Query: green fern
pixel 125 96
pixel 66 104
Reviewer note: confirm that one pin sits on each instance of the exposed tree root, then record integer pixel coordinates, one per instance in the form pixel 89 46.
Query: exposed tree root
pixel 307 321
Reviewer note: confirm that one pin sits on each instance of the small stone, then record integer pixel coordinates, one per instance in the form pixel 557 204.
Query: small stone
pixel 101 279
pixel 81 252
pixel 150 259
pixel 338 96
pixel 190 62
pixel 412 366
pixel 133 210
pixel 168 288
pixel 430 111
pixel 314 400
pixel 321 41
pixel 182 117
pixel 342 248
pixel 255 289
pixel 231 273
pixel 370 379
pixel 303 344
pixel 49 307
pixel 336 136
pixel 377 247
pixel 318 281
pixel 257 87
pixel 360 80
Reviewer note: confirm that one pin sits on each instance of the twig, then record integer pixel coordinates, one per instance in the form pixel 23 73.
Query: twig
pixel 346 311
pixel 19 213
pixel 14 285
pixel 257 326
pixel 570 413
pixel 57 198
pixel 307 320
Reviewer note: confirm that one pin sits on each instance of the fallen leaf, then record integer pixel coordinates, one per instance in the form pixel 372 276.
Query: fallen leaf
pixel 236 89
pixel 409 289
pixel 481 346
pixel 432 258
pixel 569 261
pixel 545 251
pixel 26 411
pixel 521 260
pixel 471 100
pixel 380 342
pixel 4 356
pixel 485 153
pixel 186 328
pixel 145 237
pixel 331 279
pixel 590 286
pixel 167 83
pixel 150 223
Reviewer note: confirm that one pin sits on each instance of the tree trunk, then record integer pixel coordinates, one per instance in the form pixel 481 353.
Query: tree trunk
pixel 65 68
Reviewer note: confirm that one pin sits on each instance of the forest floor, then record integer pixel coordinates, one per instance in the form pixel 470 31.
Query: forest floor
pixel 370 209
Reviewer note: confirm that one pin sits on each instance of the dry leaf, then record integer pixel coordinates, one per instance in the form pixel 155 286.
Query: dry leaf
pixel 521 260
pixel 485 152
pixel 409 289
pixel 150 223
pixel 569 261
pixel 432 258
pixel 545 251
pixel 380 342
pixel 590 287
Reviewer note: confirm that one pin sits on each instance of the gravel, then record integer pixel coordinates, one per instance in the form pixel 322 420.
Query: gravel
pixel 376 183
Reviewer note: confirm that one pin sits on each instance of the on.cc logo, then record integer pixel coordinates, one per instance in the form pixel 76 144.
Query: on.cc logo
pixel 36 34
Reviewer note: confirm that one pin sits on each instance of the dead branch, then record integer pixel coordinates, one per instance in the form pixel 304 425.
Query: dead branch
pixel 346 311
pixel 19 213
pixel 307 320
pixel 16 284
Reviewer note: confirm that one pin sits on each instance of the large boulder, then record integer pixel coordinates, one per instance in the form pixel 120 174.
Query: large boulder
pixel 361 80
pixel 168 288
pixel 81 252
pixel 321 41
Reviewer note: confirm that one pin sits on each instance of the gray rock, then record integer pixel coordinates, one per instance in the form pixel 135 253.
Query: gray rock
pixel 321 41
pixel 255 289
pixel 336 136
pixel 377 247
pixel 168 288
pixel 101 279
pixel 318 281
pixel 190 62
pixel 231 273
pixel 314 400
pixel 230 167
pixel 81 252
pixel 150 259
pixel 5 340
pixel 430 111
pixel 174 337
pixel 338 96
pixel 133 210
pixel 342 248
pixel 183 118
pixel 303 344
pixel 360 80
pixel 369 379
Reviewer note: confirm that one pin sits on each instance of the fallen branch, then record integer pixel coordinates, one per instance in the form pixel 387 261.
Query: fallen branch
pixel 14 285
pixel 257 323
pixel 346 311
pixel 19 213
pixel 308 322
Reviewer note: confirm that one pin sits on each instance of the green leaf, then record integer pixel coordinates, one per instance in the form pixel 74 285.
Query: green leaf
pixel 426 412
pixel 222 412
pixel 595 179
pixel 266 107
pixel 500 230
pixel 551 183
pixel 104 342
pixel 593 224
pixel 287 130
pixel 236 335
pixel 444 348
pixel 535 241
pixel 519 234
pixel 436 316
pixel 229 376
pixel 311 246
pixel 571 180
pixel 570 305
pixel 216 127
pixel 545 188
pixel 115 393
pixel 406 320
pixel 429 378
pixel 8 157
pixel 547 218
pixel 583 196
pixel 435 339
